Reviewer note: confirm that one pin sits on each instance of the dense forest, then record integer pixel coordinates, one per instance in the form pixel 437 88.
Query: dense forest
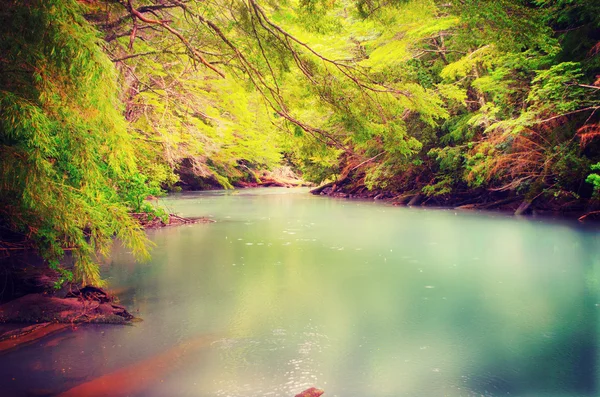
pixel 104 103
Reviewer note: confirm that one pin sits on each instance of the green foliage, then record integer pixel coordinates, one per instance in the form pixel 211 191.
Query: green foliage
pixel 444 186
pixel 594 179
pixel 179 112
pixel 63 142
pixel 556 89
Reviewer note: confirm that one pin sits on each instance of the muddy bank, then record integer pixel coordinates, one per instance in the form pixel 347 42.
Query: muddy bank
pixel 28 292
pixel 54 311
pixel 478 199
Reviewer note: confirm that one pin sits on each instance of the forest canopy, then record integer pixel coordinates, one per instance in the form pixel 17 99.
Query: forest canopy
pixel 104 103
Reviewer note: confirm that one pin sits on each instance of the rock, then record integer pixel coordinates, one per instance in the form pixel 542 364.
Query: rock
pixel 40 308
pixel 312 392
pixel 194 175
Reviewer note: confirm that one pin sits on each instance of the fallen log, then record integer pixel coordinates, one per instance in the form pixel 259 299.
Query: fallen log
pixel 485 206
pixel 401 199
pixel 318 190
pixel 154 222
pixel 523 207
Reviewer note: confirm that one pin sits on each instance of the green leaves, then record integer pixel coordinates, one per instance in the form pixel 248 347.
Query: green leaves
pixel 556 89
pixel 63 142
pixel 594 179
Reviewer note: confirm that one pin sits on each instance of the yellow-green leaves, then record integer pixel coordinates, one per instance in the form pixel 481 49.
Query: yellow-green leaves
pixel 483 58
pixel 64 144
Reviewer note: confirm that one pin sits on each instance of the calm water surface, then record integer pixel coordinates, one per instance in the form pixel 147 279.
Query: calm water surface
pixel 358 298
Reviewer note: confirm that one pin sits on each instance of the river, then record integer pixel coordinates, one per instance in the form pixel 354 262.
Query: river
pixel 287 290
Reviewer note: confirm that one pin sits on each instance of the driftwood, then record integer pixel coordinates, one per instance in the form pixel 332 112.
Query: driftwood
pixel 173 220
pixel 582 218
pixel 485 206
pixel 523 207
pixel 333 185
pixel 90 293
pixel 401 199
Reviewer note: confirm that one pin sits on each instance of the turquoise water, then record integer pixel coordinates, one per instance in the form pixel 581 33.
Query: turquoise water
pixel 357 298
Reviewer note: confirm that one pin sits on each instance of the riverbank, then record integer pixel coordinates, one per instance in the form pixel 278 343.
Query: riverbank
pixel 33 308
pixel 191 180
pixel 478 199
pixel 32 317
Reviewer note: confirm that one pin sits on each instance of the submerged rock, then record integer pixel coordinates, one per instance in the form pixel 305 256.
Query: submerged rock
pixel 135 379
pixel 312 392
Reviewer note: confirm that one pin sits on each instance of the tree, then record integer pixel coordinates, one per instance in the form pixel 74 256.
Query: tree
pixel 64 147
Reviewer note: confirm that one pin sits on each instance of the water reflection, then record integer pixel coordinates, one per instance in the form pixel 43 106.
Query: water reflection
pixel 357 298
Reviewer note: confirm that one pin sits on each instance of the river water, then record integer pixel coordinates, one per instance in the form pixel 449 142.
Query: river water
pixel 286 291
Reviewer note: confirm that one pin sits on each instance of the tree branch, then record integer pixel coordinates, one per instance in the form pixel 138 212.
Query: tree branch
pixel 142 54
pixel 195 54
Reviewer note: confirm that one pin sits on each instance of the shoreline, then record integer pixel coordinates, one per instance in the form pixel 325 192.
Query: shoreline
pixel 34 309
pixel 481 201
